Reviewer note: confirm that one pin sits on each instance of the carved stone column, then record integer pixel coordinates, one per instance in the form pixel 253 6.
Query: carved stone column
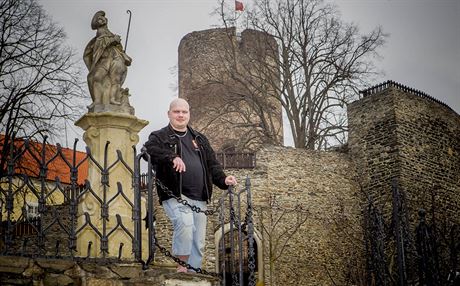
pixel 121 131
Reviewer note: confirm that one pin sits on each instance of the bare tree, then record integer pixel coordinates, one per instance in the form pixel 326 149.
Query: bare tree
pixel 39 77
pixel 279 225
pixel 251 117
pixel 321 63
pixel 224 96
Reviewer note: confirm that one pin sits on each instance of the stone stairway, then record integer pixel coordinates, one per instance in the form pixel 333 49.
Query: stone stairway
pixel 16 270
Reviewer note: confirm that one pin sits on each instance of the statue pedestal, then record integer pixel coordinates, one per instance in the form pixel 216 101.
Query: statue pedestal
pixel 121 131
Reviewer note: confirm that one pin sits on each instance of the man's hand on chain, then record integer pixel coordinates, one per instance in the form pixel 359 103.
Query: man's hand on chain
pixel 178 165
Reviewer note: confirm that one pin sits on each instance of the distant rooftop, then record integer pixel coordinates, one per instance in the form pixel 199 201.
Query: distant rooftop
pixel 383 86
pixel 57 160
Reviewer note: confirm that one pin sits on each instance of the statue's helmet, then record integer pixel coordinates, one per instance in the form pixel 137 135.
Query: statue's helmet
pixel 94 23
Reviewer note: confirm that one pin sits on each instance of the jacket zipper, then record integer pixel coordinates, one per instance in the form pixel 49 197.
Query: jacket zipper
pixel 205 177
pixel 180 173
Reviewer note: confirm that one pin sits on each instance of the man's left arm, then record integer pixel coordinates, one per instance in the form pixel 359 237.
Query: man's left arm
pixel 219 178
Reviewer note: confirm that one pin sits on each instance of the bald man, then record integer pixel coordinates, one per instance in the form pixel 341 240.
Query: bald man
pixel 187 166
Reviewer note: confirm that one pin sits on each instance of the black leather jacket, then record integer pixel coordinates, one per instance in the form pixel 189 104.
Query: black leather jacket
pixel 163 146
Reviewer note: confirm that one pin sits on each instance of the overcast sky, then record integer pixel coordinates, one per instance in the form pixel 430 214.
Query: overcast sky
pixel 423 50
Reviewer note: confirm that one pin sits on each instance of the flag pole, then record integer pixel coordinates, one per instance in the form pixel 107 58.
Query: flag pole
pixel 238 8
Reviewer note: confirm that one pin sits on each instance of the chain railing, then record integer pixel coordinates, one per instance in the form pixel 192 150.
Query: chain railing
pixel 43 216
pixel 232 219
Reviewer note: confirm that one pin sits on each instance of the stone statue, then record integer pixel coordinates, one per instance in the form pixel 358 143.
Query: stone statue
pixel 107 64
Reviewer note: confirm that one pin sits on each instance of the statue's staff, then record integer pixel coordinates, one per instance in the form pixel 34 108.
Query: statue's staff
pixel 127 32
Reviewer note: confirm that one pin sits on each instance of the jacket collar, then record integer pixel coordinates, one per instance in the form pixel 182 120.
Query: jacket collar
pixel 171 132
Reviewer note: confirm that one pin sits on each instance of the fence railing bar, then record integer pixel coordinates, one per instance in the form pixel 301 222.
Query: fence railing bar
pixel 237 160
pixel 240 239
pixel 222 259
pixel 251 255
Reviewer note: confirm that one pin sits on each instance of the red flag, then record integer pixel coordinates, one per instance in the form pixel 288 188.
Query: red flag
pixel 239 6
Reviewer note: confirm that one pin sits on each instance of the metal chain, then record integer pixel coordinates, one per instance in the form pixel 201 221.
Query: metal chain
pixel 167 253
pixel 196 209
pixel 185 202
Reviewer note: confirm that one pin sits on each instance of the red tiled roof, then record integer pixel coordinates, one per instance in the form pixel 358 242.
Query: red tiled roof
pixel 31 159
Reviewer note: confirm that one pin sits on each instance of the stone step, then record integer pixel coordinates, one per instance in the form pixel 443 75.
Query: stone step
pixel 16 270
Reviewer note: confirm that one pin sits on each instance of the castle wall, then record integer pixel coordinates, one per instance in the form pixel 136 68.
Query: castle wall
pixel 373 145
pixel 429 138
pixel 398 134
pixel 322 184
pixel 317 185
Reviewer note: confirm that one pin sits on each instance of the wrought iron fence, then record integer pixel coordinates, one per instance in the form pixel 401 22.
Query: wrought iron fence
pixel 43 216
pixel 240 229
pixel 398 254
pixel 52 230
pixel 237 250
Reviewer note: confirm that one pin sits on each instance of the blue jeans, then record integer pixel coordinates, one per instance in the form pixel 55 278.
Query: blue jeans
pixel 189 229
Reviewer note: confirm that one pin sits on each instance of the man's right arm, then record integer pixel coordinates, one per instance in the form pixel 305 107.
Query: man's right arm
pixel 158 151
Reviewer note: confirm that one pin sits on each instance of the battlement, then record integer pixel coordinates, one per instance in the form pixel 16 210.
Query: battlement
pixel 389 83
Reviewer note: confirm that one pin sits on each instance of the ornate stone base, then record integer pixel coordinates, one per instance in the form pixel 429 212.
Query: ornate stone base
pixel 116 132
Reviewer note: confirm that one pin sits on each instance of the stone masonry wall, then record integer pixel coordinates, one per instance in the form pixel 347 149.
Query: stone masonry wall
pixel 396 134
pixel 373 145
pixel 57 241
pixel 429 139
pixel 399 134
pixel 322 183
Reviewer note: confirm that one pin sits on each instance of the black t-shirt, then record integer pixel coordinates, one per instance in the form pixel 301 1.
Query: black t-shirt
pixel 193 177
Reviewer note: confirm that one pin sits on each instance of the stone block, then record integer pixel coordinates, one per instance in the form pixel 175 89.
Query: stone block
pixel 55 265
pixel 14 264
pixel 127 271
pixel 52 279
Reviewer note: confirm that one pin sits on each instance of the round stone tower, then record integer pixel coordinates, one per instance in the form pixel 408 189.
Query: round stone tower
pixel 230 83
